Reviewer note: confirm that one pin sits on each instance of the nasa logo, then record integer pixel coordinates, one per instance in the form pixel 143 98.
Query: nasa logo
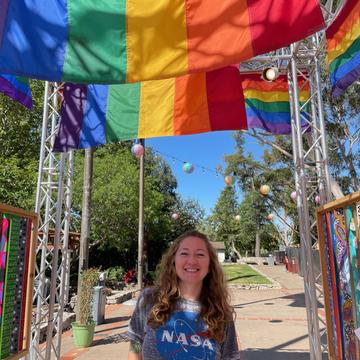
pixel 184 337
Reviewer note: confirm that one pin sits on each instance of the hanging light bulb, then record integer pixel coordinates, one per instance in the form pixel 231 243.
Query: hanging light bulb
pixel 237 217
pixel 270 74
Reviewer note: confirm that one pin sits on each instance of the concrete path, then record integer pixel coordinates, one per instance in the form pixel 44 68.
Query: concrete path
pixel 271 324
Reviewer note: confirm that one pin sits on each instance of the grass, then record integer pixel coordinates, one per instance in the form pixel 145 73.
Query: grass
pixel 242 274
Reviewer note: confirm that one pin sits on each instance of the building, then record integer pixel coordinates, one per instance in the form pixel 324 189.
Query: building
pixel 220 249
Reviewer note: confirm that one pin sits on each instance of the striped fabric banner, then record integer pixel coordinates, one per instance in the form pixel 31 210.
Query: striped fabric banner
pixel 123 41
pixel 343 47
pixel 98 114
pixel 17 88
pixel 267 103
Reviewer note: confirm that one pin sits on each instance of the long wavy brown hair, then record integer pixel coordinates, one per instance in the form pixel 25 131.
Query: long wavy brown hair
pixel 214 297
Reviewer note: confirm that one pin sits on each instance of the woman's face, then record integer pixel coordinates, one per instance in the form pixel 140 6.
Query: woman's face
pixel 192 261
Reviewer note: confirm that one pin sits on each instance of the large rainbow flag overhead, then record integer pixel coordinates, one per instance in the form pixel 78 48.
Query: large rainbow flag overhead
pixel 343 46
pixel 123 41
pixel 98 114
pixel 17 88
pixel 267 103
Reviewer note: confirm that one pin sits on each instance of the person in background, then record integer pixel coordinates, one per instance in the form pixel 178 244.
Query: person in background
pixel 187 314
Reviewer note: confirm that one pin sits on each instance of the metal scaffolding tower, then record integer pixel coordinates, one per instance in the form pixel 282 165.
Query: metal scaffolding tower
pixel 53 201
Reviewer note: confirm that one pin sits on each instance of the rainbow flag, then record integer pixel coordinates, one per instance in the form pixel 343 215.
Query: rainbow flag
pixel 343 47
pixel 98 114
pixel 267 103
pixel 17 88
pixel 125 41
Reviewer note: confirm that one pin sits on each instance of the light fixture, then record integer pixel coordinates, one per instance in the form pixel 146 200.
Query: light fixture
pixel 270 74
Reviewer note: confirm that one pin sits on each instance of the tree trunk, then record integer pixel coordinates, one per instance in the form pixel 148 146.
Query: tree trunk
pixel 257 243
pixel 85 218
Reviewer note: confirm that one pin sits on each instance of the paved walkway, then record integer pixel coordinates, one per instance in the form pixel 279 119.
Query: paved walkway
pixel 271 324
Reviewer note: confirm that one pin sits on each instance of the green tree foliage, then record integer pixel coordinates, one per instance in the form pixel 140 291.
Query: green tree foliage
pixel 250 175
pixel 343 130
pixel 223 224
pixel 115 206
pixel 20 133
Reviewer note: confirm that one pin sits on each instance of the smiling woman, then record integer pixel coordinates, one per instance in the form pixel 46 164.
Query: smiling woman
pixel 187 314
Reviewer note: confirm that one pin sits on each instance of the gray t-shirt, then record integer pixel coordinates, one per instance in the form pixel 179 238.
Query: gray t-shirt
pixel 183 337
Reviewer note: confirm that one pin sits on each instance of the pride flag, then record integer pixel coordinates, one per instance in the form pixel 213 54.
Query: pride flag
pixel 17 88
pixel 267 103
pixel 343 47
pixel 125 41
pixel 98 114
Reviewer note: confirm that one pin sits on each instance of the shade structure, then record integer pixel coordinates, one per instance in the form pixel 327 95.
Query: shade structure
pixel 17 88
pixel 98 114
pixel 124 41
pixel 343 47
pixel 267 103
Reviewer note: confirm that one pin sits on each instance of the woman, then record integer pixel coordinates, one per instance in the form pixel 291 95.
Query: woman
pixel 187 314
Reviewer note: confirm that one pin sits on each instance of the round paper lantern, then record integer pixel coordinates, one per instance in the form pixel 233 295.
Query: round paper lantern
pixel 188 168
pixel 293 195
pixel 175 216
pixel 137 150
pixel 264 189
pixel 228 180
pixel 317 199
pixel 270 217
pixel 237 217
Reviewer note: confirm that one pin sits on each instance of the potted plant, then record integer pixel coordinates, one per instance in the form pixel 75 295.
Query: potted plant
pixel 83 329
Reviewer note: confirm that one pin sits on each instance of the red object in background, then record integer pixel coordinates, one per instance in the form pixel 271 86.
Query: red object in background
pixel 287 264
pixel 294 267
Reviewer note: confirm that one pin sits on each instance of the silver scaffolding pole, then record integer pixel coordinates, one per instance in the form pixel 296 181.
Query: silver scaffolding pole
pixel 304 218
pixel 54 180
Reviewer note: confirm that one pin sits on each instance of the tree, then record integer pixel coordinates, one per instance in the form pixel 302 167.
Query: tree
pixel 113 236
pixel 20 133
pixel 222 221
pixel 250 175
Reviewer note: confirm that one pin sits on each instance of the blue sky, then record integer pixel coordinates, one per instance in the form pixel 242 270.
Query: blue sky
pixel 205 151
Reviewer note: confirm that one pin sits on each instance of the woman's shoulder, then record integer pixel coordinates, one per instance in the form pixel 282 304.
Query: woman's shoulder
pixel 148 295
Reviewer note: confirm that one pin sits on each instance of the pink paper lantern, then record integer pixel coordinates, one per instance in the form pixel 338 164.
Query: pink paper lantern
pixel 175 216
pixel 293 195
pixel 137 150
pixel 270 217
pixel 317 199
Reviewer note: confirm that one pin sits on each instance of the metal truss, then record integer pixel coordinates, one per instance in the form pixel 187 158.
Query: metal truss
pixel 310 157
pixel 53 203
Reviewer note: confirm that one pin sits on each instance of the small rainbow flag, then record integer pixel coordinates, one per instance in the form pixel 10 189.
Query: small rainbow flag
pixel 98 114
pixel 17 88
pixel 343 47
pixel 267 103
pixel 125 41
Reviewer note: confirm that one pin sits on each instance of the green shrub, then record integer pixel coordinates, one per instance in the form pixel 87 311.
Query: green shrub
pixel 89 279
pixel 115 273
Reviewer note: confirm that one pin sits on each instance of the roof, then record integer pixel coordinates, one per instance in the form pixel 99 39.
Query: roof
pixel 218 245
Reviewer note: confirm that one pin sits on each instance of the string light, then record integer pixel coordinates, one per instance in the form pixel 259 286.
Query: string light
pixel 203 169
